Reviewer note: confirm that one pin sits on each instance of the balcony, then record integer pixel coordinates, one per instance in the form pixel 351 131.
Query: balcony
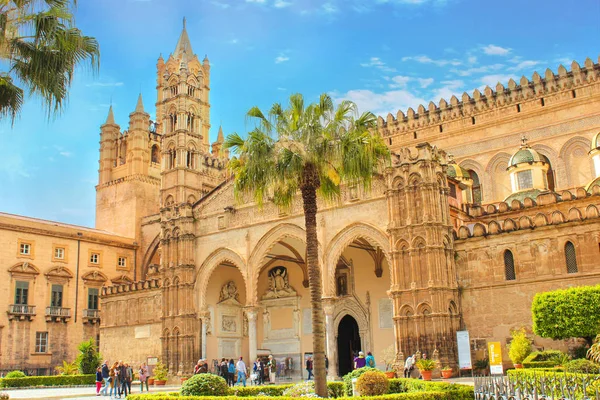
pixel 21 312
pixel 57 314
pixel 91 316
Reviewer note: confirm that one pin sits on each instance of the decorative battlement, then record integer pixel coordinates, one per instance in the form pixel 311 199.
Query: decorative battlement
pixel 424 152
pixel 470 106
pixel 139 286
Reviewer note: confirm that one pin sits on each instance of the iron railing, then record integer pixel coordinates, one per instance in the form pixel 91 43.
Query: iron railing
pixel 550 386
pixel 91 313
pixel 21 309
pixel 58 312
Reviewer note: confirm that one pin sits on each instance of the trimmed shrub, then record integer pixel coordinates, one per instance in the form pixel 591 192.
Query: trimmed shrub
pixel 59 380
pixel 16 374
pixel 336 389
pixel 582 366
pixel 205 385
pixel 450 395
pixel 303 389
pixel 407 385
pixel 354 374
pixel 372 383
pixel 520 346
pixel 250 391
pixel 543 359
pixel 552 381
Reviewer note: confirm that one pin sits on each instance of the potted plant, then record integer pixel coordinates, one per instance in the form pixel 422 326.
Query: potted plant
pixel 184 378
pixel 447 372
pixel 482 365
pixel 160 374
pixel 426 367
pixel 150 380
pixel 519 348
pixel 389 357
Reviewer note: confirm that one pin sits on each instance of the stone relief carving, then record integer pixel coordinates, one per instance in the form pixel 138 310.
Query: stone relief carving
pixel 229 324
pixel 245 325
pixel 229 291
pixel 279 284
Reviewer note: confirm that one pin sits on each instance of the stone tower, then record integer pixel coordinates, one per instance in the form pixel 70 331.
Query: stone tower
pixel 189 172
pixel 424 288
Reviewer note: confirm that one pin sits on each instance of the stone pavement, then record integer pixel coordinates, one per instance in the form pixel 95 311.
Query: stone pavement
pixel 78 393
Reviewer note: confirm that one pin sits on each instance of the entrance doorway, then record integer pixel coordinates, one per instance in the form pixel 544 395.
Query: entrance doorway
pixel 348 344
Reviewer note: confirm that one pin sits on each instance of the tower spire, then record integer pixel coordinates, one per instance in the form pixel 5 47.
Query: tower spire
pixel 139 107
pixel 183 44
pixel 110 119
pixel 220 138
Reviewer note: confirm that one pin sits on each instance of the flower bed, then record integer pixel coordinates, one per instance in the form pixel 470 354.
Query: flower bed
pixel 58 380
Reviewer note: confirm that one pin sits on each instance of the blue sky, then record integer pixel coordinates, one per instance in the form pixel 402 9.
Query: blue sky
pixel 384 54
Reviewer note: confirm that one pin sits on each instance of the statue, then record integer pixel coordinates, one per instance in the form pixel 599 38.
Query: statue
pixel 279 285
pixel 229 291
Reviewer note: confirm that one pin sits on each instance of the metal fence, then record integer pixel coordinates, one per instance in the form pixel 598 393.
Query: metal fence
pixel 551 386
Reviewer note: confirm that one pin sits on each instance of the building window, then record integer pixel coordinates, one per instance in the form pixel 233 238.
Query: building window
pixel 56 300
pixel 95 258
pixel 549 174
pixel 21 292
pixel 59 253
pixel 524 180
pixel 92 299
pixel 570 258
pixel 452 190
pixel 509 266
pixel 25 249
pixel 41 342
pixel 122 262
pixel 476 188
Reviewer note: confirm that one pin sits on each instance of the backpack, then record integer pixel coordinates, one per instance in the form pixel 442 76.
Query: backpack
pixel 371 361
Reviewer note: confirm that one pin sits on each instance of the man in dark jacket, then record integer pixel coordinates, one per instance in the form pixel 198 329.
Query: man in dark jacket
pixel 104 377
pixel 123 378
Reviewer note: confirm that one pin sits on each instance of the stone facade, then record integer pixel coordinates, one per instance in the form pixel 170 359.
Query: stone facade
pixel 52 275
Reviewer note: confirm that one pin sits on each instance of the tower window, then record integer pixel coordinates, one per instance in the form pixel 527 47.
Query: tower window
pixel 542 102
pixel 525 180
pixel 571 258
pixel 441 129
pixel 390 141
pixel 476 188
pixel 414 135
pixel 518 108
pixel 155 154
pixel 573 93
pixel 472 120
pixel 509 266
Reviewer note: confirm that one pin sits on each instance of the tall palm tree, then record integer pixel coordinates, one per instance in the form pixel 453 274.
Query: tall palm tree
pixel 40 46
pixel 311 149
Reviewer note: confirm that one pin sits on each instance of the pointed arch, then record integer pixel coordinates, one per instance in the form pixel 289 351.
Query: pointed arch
pixel 498 177
pixel 216 258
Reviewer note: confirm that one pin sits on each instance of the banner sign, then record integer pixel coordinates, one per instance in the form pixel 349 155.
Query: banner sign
pixel 495 352
pixel 464 350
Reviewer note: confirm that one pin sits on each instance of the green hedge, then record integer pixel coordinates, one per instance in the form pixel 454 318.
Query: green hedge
pixel 58 380
pixel 448 395
pixel 336 389
pixel 574 380
pixel 543 359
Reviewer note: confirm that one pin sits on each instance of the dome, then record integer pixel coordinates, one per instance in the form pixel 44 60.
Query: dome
pixel 458 172
pixel 595 141
pixel 525 155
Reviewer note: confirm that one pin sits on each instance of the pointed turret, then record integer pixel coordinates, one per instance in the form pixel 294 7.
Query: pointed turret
pixel 220 137
pixel 218 145
pixel 110 119
pixel 139 107
pixel 183 44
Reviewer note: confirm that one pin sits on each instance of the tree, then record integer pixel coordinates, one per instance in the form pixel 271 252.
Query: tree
pixel 88 358
pixel 40 47
pixel 67 368
pixel 520 346
pixel 311 149
pixel 567 313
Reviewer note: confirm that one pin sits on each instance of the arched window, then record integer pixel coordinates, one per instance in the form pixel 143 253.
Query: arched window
pixel 509 266
pixel 190 158
pixel 570 258
pixel 549 174
pixel 155 154
pixel 476 188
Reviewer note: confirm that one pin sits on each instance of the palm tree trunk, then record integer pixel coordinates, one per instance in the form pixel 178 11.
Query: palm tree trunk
pixel 309 199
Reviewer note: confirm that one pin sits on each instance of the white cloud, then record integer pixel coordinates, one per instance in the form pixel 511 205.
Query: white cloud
pixel 256 1
pixel 477 70
pixel 281 58
pixel 424 82
pixel 493 50
pixel 377 63
pixel 451 87
pixel 281 4
pixel 525 64
pixel 66 154
pixel 422 59
pixel 233 41
pixel 329 8
pixel 492 80
pixel 472 59
pixel 13 167
pixel 399 82
pixel 221 4
pixel 104 84
pixel 380 103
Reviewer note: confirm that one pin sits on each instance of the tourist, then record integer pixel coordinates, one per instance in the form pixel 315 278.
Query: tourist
pixel 143 372
pixel 129 377
pixel 360 362
pixel 197 367
pixel 231 372
pixel 113 375
pixel 272 364
pixel 409 365
pixel 223 370
pixel 309 367
pixel 105 376
pixel 259 372
pixel 241 371
pixel 370 360
pixel 326 365
pixel 99 380
pixel 203 366
pixel 122 379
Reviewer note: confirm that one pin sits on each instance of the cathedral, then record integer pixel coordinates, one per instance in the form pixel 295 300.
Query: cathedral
pixel 489 199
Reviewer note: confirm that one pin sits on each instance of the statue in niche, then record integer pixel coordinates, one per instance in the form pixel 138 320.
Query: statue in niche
pixel 279 284
pixel 342 285
pixel 245 325
pixel 206 320
pixel 229 291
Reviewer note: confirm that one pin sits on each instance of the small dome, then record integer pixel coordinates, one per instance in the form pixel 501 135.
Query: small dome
pixel 525 155
pixel 458 172
pixel 596 141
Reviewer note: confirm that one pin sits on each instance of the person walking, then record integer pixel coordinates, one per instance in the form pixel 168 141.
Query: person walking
pixel 409 365
pixel 122 379
pixel 309 367
pixel 99 380
pixel 272 365
pixel 360 362
pixel 113 375
pixel 370 360
pixel 143 372
pixel 241 371
pixel 129 377
pixel 231 372
pixel 223 370
pixel 105 377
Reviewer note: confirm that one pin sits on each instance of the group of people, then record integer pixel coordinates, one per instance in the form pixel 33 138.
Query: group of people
pixel 361 361
pixel 409 364
pixel 236 373
pixel 115 380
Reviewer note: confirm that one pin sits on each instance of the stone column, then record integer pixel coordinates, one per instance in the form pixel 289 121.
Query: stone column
pixel 328 308
pixel 205 316
pixel 252 314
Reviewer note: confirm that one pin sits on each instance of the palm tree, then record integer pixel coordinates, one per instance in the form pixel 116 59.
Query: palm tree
pixel 313 150
pixel 40 47
pixel 594 351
